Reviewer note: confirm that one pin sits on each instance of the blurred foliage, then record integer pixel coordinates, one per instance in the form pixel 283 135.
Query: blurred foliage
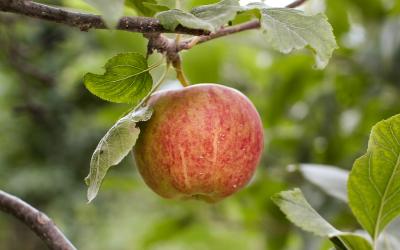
pixel 51 124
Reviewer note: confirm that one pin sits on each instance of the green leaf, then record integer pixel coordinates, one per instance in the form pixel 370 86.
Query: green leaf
pixel 208 17
pixel 352 241
pixel 113 147
pixel 111 11
pixel 171 4
pixel 218 14
pixel 126 80
pixel 294 205
pixel 172 18
pixel 332 180
pixel 155 7
pixel 374 183
pixel 289 29
pixel 298 211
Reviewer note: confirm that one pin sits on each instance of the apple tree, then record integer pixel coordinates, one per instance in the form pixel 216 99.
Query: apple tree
pixel 201 140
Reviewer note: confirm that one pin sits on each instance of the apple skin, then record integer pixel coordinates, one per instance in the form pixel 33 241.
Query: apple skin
pixel 202 142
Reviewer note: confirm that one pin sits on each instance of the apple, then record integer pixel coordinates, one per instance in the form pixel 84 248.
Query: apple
pixel 202 142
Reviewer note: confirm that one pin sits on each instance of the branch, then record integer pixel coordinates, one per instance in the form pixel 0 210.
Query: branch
pixel 36 221
pixel 86 22
pixel 224 31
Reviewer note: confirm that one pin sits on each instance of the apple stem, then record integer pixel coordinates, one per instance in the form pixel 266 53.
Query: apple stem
pixel 180 74
pixel 170 48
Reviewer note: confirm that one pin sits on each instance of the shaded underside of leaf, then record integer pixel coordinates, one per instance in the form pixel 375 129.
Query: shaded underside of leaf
pixel 332 180
pixel 126 80
pixel 289 29
pixel 208 17
pixel 172 18
pixel 113 147
pixel 298 210
pixel 218 14
pixel 374 183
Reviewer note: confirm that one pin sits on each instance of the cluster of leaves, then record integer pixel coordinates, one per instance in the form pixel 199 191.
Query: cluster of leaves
pixel 373 193
pixel 127 78
pixel 285 29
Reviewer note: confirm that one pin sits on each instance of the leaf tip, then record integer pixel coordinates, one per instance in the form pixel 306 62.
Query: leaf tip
pixel 91 193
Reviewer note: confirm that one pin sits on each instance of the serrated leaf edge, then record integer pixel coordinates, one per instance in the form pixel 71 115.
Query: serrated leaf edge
pixel 137 115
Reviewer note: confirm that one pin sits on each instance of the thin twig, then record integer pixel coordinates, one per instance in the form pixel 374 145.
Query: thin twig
pixel 37 221
pixel 188 44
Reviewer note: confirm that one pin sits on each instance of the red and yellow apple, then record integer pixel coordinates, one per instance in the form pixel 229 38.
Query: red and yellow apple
pixel 202 142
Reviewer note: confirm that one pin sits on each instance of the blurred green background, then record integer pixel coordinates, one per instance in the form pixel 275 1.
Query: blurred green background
pixel 50 125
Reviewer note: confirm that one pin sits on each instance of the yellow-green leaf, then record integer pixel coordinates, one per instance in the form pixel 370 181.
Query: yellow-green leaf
pixel 374 183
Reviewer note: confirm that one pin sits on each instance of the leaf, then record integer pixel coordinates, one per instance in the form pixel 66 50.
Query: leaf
pixel 374 183
pixel 289 29
pixel 207 17
pixel 352 241
pixel 331 180
pixel 113 147
pixel 155 7
pixel 126 80
pixel 218 14
pixel 294 205
pixel 171 4
pixel 111 11
pixel 172 18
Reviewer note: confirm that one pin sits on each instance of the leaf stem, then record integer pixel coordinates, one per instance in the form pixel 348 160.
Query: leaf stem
pixel 156 65
pixel 155 87
pixel 161 80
